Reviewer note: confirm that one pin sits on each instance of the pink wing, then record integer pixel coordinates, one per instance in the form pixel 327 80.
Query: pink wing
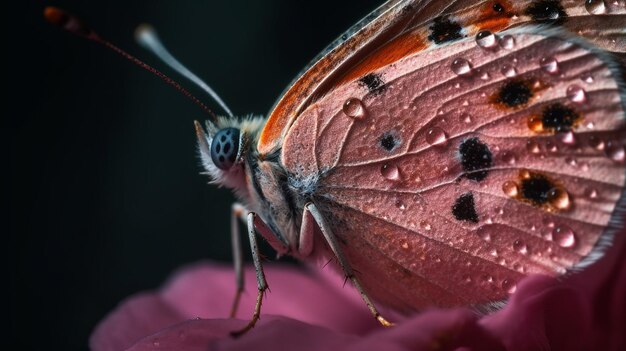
pixel 452 173
pixel 402 27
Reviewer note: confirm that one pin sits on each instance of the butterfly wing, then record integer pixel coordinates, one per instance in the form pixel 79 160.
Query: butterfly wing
pixel 400 28
pixel 465 168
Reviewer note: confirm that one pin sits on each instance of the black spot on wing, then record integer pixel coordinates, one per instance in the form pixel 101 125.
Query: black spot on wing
pixel 444 30
pixel 388 142
pixel 558 118
pixel 373 82
pixel 514 93
pixel 547 11
pixel 464 208
pixel 537 189
pixel 476 159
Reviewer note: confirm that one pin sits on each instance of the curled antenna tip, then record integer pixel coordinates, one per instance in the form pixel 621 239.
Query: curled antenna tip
pixel 68 22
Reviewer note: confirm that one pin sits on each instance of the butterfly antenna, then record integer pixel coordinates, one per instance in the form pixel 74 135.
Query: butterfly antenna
pixel 76 26
pixel 147 37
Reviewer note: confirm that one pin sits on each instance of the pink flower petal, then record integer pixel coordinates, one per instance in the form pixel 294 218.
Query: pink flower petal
pixel 586 311
pixel 309 310
pixel 440 330
pixel 207 291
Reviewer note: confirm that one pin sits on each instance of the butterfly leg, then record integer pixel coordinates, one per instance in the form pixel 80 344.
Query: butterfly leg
pixel 255 223
pixel 314 215
pixel 237 213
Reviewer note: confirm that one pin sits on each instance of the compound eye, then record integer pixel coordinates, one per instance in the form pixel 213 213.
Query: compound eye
pixel 225 147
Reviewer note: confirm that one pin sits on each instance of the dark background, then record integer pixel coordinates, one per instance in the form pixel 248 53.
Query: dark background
pixel 102 193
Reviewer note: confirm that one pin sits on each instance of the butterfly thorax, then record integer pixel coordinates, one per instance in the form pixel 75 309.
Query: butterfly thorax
pixel 258 180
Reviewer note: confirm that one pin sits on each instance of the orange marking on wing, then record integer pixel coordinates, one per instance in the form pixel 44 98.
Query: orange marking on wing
pixel 492 20
pixel 273 128
pixel 402 46
pixel 321 77
pixel 288 106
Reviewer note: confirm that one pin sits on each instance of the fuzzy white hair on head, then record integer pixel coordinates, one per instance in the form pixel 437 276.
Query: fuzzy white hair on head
pixel 249 130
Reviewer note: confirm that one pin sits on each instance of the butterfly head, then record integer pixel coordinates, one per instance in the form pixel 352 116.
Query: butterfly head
pixel 224 147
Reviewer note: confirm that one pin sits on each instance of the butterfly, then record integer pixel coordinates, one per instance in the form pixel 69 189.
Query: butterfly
pixel 439 151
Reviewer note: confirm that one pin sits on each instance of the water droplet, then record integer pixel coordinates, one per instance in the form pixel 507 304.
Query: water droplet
pixel 533 147
pixel 567 137
pixel 615 151
pixel 590 125
pixel 509 286
pixel 535 124
pixel 576 94
pixel 510 188
pixel 584 166
pixel 549 64
pixel 552 147
pixel 425 225
pixel 520 247
pixel 595 7
pixel 507 42
pixel 485 76
pixel 400 205
pixel 564 236
pixel 587 78
pixel 571 161
pixel 509 158
pixel 405 245
pixel 559 198
pixel 391 172
pixel 466 117
pixel 508 71
pixel 467 279
pixel 485 39
pixel 596 142
pixel 483 234
pixel 494 253
pixel 354 108
pixel 461 67
pixel 436 136
pixel 487 278
pixel 591 193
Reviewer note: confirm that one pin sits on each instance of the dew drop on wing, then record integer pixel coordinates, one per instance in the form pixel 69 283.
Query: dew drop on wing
pixel 486 39
pixel 576 94
pixel 508 71
pixel 390 172
pixel 549 65
pixel 461 67
pixel 595 7
pixel 520 246
pixel 507 42
pixel 564 236
pixel 354 108
pixel 615 151
pixel 436 136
